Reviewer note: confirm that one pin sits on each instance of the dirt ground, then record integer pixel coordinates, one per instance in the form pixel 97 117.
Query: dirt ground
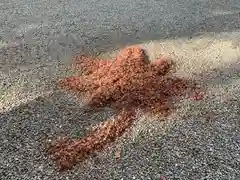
pixel 201 140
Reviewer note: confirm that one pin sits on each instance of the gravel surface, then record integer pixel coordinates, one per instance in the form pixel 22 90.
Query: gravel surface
pixel 201 140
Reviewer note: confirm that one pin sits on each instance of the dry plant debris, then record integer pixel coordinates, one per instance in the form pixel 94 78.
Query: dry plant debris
pixel 126 84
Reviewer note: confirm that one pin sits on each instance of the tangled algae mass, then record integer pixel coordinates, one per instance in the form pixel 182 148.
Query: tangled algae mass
pixel 126 84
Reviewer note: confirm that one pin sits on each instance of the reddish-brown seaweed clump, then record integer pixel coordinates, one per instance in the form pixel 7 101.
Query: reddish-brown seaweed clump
pixel 126 84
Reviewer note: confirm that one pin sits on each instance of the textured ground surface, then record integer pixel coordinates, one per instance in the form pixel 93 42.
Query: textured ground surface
pixel 200 141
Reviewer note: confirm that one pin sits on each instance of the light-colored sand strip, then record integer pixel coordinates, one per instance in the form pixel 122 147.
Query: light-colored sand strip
pixel 200 54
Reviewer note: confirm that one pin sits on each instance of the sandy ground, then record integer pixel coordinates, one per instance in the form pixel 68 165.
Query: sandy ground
pixel 201 140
